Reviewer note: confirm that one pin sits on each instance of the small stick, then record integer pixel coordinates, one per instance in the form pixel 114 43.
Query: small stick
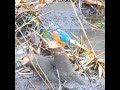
pixel 25 73
pixel 60 87
pixel 32 84
pixel 19 70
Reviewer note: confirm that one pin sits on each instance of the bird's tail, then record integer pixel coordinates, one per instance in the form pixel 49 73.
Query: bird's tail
pixel 78 44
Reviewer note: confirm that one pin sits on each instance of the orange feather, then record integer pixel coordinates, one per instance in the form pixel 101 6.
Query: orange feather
pixel 57 38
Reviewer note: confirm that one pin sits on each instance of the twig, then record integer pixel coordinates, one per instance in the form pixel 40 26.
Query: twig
pixel 94 8
pixel 75 36
pixel 19 70
pixel 82 28
pixel 60 87
pixel 25 73
pixel 100 54
pixel 80 8
pixel 32 85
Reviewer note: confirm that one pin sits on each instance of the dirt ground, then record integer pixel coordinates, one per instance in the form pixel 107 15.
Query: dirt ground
pixel 23 82
pixel 28 82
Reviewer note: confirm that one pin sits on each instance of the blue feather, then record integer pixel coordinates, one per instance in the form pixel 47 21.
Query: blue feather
pixel 62 34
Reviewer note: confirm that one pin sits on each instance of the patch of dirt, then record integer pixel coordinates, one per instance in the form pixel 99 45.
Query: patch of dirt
pixel 23 81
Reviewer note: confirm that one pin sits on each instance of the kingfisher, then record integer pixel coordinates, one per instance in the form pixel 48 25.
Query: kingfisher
pixel 63 38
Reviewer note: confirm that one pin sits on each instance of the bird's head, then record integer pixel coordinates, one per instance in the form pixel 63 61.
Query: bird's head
pixel 54 28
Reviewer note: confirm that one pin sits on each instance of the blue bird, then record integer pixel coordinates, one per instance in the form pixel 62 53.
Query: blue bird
pixel 62 37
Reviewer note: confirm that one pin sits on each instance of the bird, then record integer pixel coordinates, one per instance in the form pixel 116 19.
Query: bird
pixel 63 38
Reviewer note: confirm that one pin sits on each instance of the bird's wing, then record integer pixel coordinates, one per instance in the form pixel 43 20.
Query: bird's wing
pixel 63 36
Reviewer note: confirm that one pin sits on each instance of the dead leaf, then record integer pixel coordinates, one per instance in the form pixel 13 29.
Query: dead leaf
pixel 67 50
pixel 83 62
pixel 17 2
pixel 26 6
pixel 103 73
pixel 25 60
pixel 42 1
pixel 75 36
pixel 90 56
pixel 76 67
pixel 100 70
pixel 90 66
pixel 26 70
pixel 101 60
pixel 71 58
pixel 25 73
pixel 93 2
pixel 54 44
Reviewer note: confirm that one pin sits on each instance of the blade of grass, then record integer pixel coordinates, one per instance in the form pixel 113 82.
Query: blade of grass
pixel 60 86
pixel 32 85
